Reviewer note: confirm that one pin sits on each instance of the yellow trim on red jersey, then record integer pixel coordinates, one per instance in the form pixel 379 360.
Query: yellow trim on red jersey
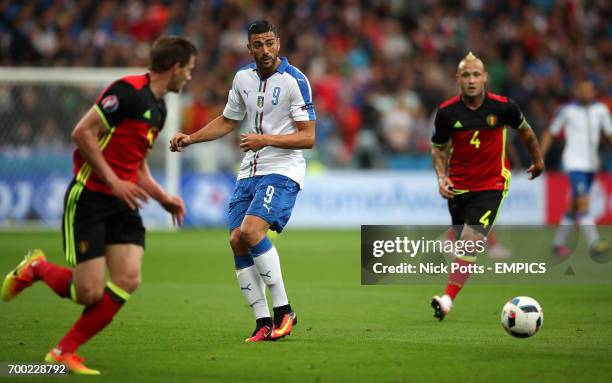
pixel 102 116
pixel 86 168
pixel 504 171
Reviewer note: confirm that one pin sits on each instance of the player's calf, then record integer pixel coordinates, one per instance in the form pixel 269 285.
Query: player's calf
pixel 253 289
pixel 89 294
pixel 460 272
pixel 265 258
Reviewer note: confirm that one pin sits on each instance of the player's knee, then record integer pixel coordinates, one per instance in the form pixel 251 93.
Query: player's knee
pixel 128 282
pixel 473 234
pixel 250 234
pixel 246 232
pixel 236 241
pixel 89 295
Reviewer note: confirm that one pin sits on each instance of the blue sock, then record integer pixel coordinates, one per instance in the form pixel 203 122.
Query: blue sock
pixel 242 261
pixel 262 247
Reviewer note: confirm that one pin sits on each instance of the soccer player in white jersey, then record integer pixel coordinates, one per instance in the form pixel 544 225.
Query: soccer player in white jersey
pixel 582 122
pixel 274 100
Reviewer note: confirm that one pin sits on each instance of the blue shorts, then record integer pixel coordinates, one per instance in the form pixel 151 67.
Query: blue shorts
pixel 270 197
pixel 581 182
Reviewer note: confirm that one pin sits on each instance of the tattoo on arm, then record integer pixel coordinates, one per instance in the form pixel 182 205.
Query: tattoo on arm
pixel 531 141
pixel 438 159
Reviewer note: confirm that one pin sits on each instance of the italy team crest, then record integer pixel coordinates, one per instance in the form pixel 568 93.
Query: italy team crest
pixel 260 101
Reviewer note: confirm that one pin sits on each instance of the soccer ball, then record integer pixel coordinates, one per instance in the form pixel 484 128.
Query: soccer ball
pixel 522 317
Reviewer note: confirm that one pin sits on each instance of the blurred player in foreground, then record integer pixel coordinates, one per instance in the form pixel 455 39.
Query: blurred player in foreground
pixel 582 123
pixel 274 99
pixel 102 227
pixel 475 179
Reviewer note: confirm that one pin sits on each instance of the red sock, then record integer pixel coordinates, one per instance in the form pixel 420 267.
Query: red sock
pixel 457 278
pixel 451 234
pixel 92 321
pixel 491 239
pixel 452 290
pixel 56 277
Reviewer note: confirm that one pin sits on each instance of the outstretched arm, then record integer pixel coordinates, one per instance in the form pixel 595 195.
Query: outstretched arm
pixel 217 128
pixel 530 141
pixel 304 138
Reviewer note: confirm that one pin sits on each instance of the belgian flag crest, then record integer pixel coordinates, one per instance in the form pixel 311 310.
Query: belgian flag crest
pixel 491 120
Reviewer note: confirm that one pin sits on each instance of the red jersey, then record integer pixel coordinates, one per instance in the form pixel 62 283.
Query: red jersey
pixel 478 154
pixel 133 118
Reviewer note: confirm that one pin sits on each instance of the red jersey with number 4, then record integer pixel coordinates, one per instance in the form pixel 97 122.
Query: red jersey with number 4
pixel 133 118
pixel 478 138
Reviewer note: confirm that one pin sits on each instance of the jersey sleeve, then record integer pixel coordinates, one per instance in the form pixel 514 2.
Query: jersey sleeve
pixel 606 124
pixel 514 116
pixel 558 122
pixel 301 104
pixel 235 109
pixel 116 103
pixel 441 133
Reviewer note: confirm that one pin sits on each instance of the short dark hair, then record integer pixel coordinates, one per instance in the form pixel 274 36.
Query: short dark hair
pixel 261 26
pixel 169 50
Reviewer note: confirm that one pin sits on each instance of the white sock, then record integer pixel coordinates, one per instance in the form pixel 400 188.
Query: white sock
pixel 563 230
pixel 269 268
pixel 447 300
pixel 588 227
pixel 254 291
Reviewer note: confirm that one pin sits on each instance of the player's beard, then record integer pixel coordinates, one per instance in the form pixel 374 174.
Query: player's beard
pixel 273 59
pixel 176 85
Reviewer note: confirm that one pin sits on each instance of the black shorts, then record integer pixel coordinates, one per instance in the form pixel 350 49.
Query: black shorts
pixel 93 220
pixel 476 209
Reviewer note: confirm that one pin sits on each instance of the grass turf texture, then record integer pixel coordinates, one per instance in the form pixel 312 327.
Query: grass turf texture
pixel 188 321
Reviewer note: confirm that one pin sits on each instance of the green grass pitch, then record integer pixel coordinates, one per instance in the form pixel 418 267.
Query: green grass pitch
pixel 188 321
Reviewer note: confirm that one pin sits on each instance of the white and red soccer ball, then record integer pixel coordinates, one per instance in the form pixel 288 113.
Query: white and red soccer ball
pixel 522 317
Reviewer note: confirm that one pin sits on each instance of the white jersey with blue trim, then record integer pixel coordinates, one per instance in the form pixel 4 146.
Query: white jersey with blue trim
pixel 270 106
pixel 582 126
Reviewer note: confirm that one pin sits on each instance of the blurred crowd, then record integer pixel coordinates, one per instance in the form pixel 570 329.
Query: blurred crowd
pixel 377 68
